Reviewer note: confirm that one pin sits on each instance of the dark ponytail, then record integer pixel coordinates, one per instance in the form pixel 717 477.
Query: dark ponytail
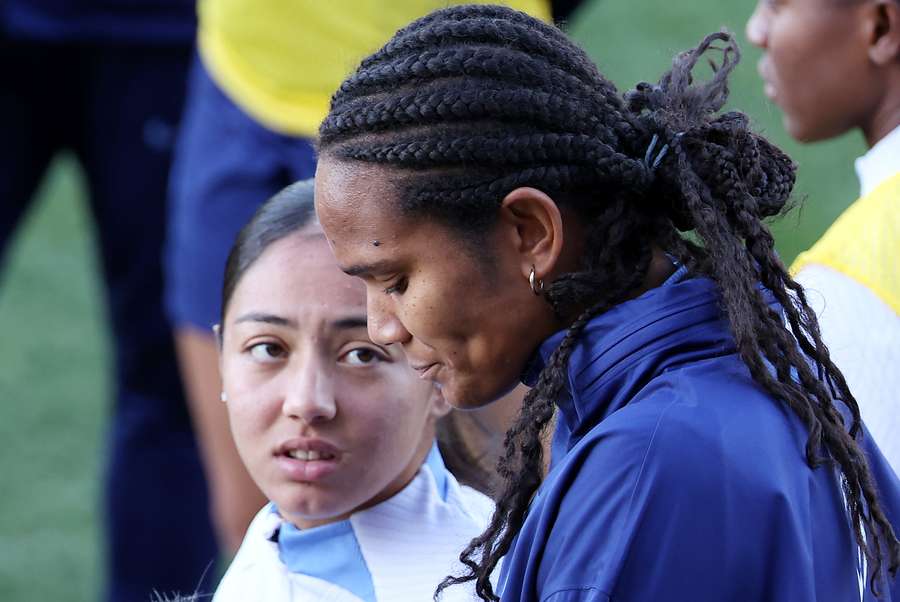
pixel 471 102
pixel 288 211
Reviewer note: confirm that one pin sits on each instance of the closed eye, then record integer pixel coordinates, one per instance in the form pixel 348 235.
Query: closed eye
pixel 398 287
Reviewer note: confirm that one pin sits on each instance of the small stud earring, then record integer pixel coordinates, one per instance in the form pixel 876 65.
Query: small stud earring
pixel 223 396
pixel 537 284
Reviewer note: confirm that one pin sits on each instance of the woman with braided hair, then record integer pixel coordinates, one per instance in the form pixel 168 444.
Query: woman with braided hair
pixel 515 218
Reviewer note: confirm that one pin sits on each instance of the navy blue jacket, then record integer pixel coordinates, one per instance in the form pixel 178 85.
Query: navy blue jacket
pixel 677 478
pixel 116 21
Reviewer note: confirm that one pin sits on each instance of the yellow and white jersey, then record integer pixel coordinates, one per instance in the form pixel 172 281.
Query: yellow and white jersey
pixel 852 277
pixel 281 60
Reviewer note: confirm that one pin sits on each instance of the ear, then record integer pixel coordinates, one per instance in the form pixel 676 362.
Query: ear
pixel 439 405
pixel 884 34
pixel 217 332
pixel 538 226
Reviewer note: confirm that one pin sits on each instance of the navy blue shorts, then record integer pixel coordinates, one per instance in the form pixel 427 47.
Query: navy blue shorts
pixel 226 166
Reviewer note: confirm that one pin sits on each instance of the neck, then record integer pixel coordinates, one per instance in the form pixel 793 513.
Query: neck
pixel 660 269
pixel 885 119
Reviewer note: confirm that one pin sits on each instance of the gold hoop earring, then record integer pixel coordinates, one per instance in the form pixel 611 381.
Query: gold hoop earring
pixel 537 284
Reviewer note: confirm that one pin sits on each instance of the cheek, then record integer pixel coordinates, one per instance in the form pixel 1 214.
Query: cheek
pixel 388 418
pixel 251 405
pixel 248 426
pixel 805 51
pixel 788 54
pixel 448 305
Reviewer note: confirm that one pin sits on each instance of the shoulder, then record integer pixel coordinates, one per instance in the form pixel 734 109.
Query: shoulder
pixel 709 411
pixel 863 244
pixel 861 224
pixel 474 504
pixel 831 294
pixel 684 479
pixel 257 573
pixel 256 560
pixel 846 309
pixel 674 453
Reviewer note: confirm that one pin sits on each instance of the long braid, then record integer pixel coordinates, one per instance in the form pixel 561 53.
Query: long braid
pixel 725 214
pixel 472 102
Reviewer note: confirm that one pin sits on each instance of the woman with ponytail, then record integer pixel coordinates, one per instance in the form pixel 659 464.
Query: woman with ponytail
pixel 516 218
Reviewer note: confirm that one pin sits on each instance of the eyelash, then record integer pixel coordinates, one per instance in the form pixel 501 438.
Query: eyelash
pixel 377 355
pixel 270 358
pixel 397 287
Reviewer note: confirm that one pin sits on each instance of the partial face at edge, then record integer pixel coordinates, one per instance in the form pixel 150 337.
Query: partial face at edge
pixel 302 377
pixel 814 66
pixel 467 326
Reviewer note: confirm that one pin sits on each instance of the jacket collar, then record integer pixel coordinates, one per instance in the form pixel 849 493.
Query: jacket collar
pixel 620 351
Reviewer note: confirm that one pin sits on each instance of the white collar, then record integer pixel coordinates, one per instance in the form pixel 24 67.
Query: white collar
pixel 881 162
pixel 409 542
pixel 412 541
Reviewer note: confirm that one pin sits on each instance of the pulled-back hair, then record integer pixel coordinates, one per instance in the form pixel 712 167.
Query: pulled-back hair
pixel 288 211
pixel 471 102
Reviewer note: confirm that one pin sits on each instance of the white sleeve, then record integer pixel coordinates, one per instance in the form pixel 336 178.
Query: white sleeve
pixel 863 336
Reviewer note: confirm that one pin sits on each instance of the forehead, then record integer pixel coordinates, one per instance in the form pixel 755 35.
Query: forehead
pixel 294 276
pixel 357 197
pixel 358 207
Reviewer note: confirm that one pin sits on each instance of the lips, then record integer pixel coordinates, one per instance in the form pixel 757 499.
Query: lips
pixel 426 371
pixel 762 67
pixel 307 460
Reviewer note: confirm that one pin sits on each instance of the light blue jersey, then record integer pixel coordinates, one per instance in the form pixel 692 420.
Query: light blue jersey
pixel 396 551
pixel 332 552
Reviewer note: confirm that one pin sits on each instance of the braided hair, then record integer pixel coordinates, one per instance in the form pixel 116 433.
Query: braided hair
pixel 472 102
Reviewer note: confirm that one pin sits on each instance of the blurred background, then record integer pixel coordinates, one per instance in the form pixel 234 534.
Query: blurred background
pixel 54 341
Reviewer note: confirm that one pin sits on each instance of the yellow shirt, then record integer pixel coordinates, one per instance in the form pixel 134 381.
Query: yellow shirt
pixel 281 60
pixel 864 243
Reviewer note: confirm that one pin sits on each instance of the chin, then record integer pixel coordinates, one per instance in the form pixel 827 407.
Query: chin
pixel 464 397
pixel 312 511
pixel 811 132
pixel 461 398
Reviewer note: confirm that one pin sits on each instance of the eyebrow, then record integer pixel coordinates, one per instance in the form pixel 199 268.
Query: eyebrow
pixel 267 318
pixel 350 323
pixel 368 268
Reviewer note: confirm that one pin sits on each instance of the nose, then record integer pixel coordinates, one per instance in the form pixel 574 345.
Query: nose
pixel 309 390
pixel 384 326
pixel 757 28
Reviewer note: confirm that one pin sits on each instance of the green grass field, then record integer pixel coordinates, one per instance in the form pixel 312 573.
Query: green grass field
pixel 54 384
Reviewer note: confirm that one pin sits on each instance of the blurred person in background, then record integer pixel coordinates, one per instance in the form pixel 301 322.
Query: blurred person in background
pixel 105 80
pixel 338 431
pixel 259 88
pixel 833 66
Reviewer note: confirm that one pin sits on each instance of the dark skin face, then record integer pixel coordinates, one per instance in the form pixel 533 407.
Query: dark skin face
pixel 466 324
pixel 831 65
